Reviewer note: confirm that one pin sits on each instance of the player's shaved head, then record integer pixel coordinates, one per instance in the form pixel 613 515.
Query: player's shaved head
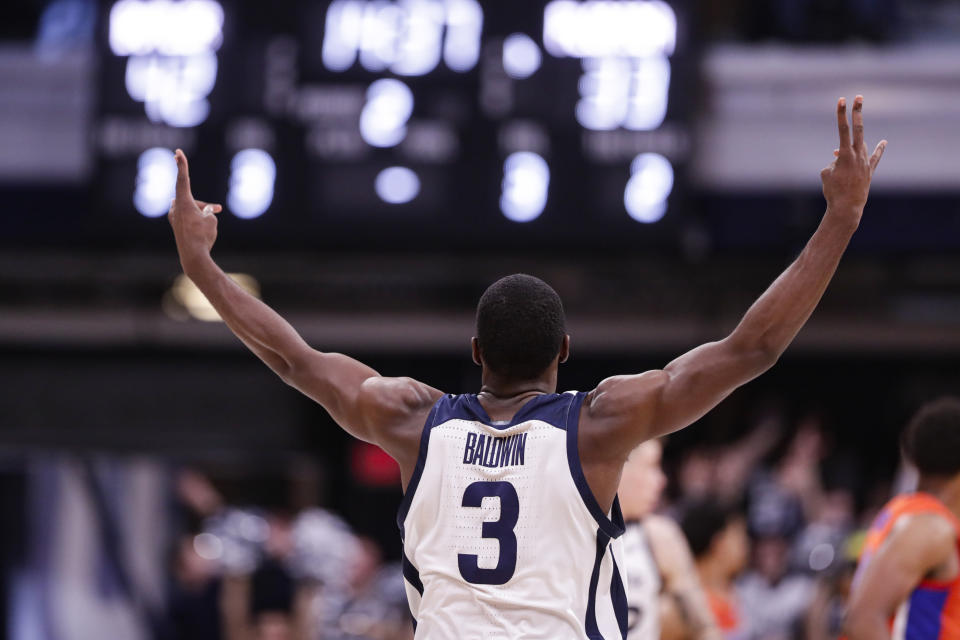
pixel 932 439
pixel 520 327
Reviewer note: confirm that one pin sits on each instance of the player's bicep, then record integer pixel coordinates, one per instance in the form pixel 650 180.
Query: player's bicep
pixel 913 550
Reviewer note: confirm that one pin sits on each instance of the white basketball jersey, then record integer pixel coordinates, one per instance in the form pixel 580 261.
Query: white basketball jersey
pixel 643 584
pixel 502 537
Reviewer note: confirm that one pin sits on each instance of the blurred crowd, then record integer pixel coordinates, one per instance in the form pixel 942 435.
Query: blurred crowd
pixel 276 573
pixel 775 521
pixel 775 525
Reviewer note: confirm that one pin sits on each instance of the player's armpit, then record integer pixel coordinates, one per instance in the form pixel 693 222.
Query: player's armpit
pixel 917 547
pixel 368 406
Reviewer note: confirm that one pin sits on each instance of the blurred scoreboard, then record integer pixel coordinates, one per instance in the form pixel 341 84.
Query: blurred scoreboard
pixel 416 124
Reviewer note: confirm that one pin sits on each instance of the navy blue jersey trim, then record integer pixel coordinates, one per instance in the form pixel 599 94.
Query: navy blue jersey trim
pixel 614 527
pixel 421 461
pixel 618 594
pixel 547 407
pixel 590 623
pixel 412 575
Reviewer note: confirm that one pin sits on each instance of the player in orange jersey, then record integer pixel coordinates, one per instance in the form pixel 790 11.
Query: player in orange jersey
pixel 908 583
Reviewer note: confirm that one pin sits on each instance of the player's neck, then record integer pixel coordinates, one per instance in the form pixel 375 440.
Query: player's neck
pixel 504 390
pixel 947 490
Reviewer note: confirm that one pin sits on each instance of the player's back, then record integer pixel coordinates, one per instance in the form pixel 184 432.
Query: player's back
pixel 932 612
pixel 503 538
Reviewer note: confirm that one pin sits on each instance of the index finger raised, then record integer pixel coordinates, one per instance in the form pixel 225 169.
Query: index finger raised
pixel 842 124
pixel 183 175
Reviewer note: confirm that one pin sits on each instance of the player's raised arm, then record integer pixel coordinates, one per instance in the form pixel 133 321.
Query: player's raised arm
pixel 357 397
pixel 659 402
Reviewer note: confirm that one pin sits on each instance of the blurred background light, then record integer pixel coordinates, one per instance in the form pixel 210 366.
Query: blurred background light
pixel 605 92
pixel 173 90
pixel 461 50
pixel 383 121
pixel 156 182
pixel 397 185
pixel 253 174
pixel 650 88
pixel 649 187
pixel 184 296
pixel 182 28
pixel 599 28
pixel 821 556
pixel 526 182
pixel 172 64
pixel 521 56
pixel 407 38
pixel 208 546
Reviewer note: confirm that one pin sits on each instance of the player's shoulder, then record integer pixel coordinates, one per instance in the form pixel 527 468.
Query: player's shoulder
pixel 912 505
pixel 934 532
pixel 398 395
pixel 616 415
pixel 624 395
pixel 396 410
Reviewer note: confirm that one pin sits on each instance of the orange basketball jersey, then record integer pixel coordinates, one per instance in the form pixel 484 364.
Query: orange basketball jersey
pixel 932 612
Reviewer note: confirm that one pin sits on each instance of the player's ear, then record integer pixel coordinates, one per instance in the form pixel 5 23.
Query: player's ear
pixel 475 348
pixel 565 349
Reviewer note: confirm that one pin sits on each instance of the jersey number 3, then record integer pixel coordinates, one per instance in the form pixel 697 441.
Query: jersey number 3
pixel 500 530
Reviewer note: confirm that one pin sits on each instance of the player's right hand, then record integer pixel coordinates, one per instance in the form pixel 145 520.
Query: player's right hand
pixel 846 182
pixel 194 223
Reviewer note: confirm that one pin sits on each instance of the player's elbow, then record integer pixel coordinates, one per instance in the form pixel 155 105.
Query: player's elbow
pixel 299 368
pixel 758 355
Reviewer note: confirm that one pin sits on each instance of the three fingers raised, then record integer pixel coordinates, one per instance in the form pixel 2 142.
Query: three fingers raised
pixel 858 136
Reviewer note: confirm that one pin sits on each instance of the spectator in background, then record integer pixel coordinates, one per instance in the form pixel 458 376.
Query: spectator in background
pixel 194 595
pixel 718 539
pixel 781 497
pixel 721 473
pixel 666 599
pixel 778 598
pixel 824 620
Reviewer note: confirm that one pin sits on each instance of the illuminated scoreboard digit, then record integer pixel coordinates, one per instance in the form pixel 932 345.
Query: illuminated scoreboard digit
pixel 387 122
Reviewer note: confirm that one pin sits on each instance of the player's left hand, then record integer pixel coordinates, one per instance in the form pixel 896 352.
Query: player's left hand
pixel 193 221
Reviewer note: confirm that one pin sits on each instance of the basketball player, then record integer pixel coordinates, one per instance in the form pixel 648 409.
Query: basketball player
pixel 908 583
pixel 665 599
pixel 510 507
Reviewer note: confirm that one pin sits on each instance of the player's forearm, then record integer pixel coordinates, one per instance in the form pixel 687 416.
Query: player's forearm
pixel 866 626
pixel 692 604
pixel 258 326
pixel 777 316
